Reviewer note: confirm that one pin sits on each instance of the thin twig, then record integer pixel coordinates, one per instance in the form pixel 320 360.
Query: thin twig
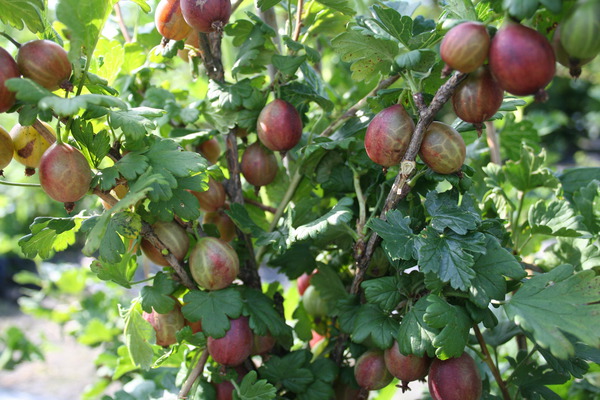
pixel 260 205
pixel 121 23
pixel 148 234
pixel 385 83
pixel 42 130
pixel 196 372
pixel 400 188
pixel 298 20
pixel 490 363
pixel 213 65
pixel 492 141
pixel 236 5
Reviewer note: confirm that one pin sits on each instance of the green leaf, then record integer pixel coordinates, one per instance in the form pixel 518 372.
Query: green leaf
pixel 450 256
pixel 398 237
pixel 214 309
pixel 157 296
pixel 287 64
pixel 298 93
pixel 421 335
pixel 253 389
pixel 139 335
pixel 417 60
pixel 135 122
pixel 515 134
pixel 266 4
pixel 383 292
pixel 264 319
pixel 369 55
pixel 446 213
pixel 105 233
pixel 461 9
pixel 397 25
pixel 290 371
pixel 21 13
pixel 556 303
pixel 340 214
pixel 27 90
pixel 94 146
pixel 580 253
pixel 520 9
pixel 556 218
pixel 372 322
pixel 318 390
pixel 49 235
pixel 339 5
pixel 143 5
pixel 587 202
pixel 120 273
pixel 71 106
pixel 165 156
pixel 85 21
pixel 574 179
pixel 454 324
pixel 529 172
pixel 329 285
pixel 490 269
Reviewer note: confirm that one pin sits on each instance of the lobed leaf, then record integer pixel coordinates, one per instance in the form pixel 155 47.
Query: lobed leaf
pixel 557 303
pixel 214 309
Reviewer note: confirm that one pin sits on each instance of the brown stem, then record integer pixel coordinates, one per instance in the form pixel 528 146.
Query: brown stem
pixel 122 25
pixel 42 130
pixel 107 197
pixel 196 372
pixel 385 83
pixel 260 205
pixel 213 65
pixel 400 188
pixel 148 234
pixel 492 140
pixel 236 5
pixel 490 363
pixel 298 28
pixel 249 271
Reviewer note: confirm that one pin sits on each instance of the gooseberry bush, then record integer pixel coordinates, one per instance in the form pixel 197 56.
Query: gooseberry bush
pixel 325 225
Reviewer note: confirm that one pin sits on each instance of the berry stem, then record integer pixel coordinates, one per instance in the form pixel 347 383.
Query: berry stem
pixel 49 137
pixel 490 363
pixel 196 372
pixel 8 183
pixel 10 39
pixel 298 20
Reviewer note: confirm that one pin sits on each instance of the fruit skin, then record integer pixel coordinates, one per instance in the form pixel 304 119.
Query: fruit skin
pixel 192 40
pixel 169 20
pixel 46 63
pixel 233 348
pixel 206 16
pixel 259 165
pixel 262 344
pixel 8 70
pixel 65 174
pixel 29 144
pixel 211 150
pixel 465 46
pixel 407 368
pixel 173 236
pixel 223 223
pixel 478 97
pixel 279 126
pixel 166 325
pixel 303 282
pixel 7 148
pixel 388 135
pixel 214 264
pixel 213 198
pixel 581 30
pixel 455 379
pixel 443 149
pixel 370 371
pixel 573 63
pixel 521 59
pixel 314 304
